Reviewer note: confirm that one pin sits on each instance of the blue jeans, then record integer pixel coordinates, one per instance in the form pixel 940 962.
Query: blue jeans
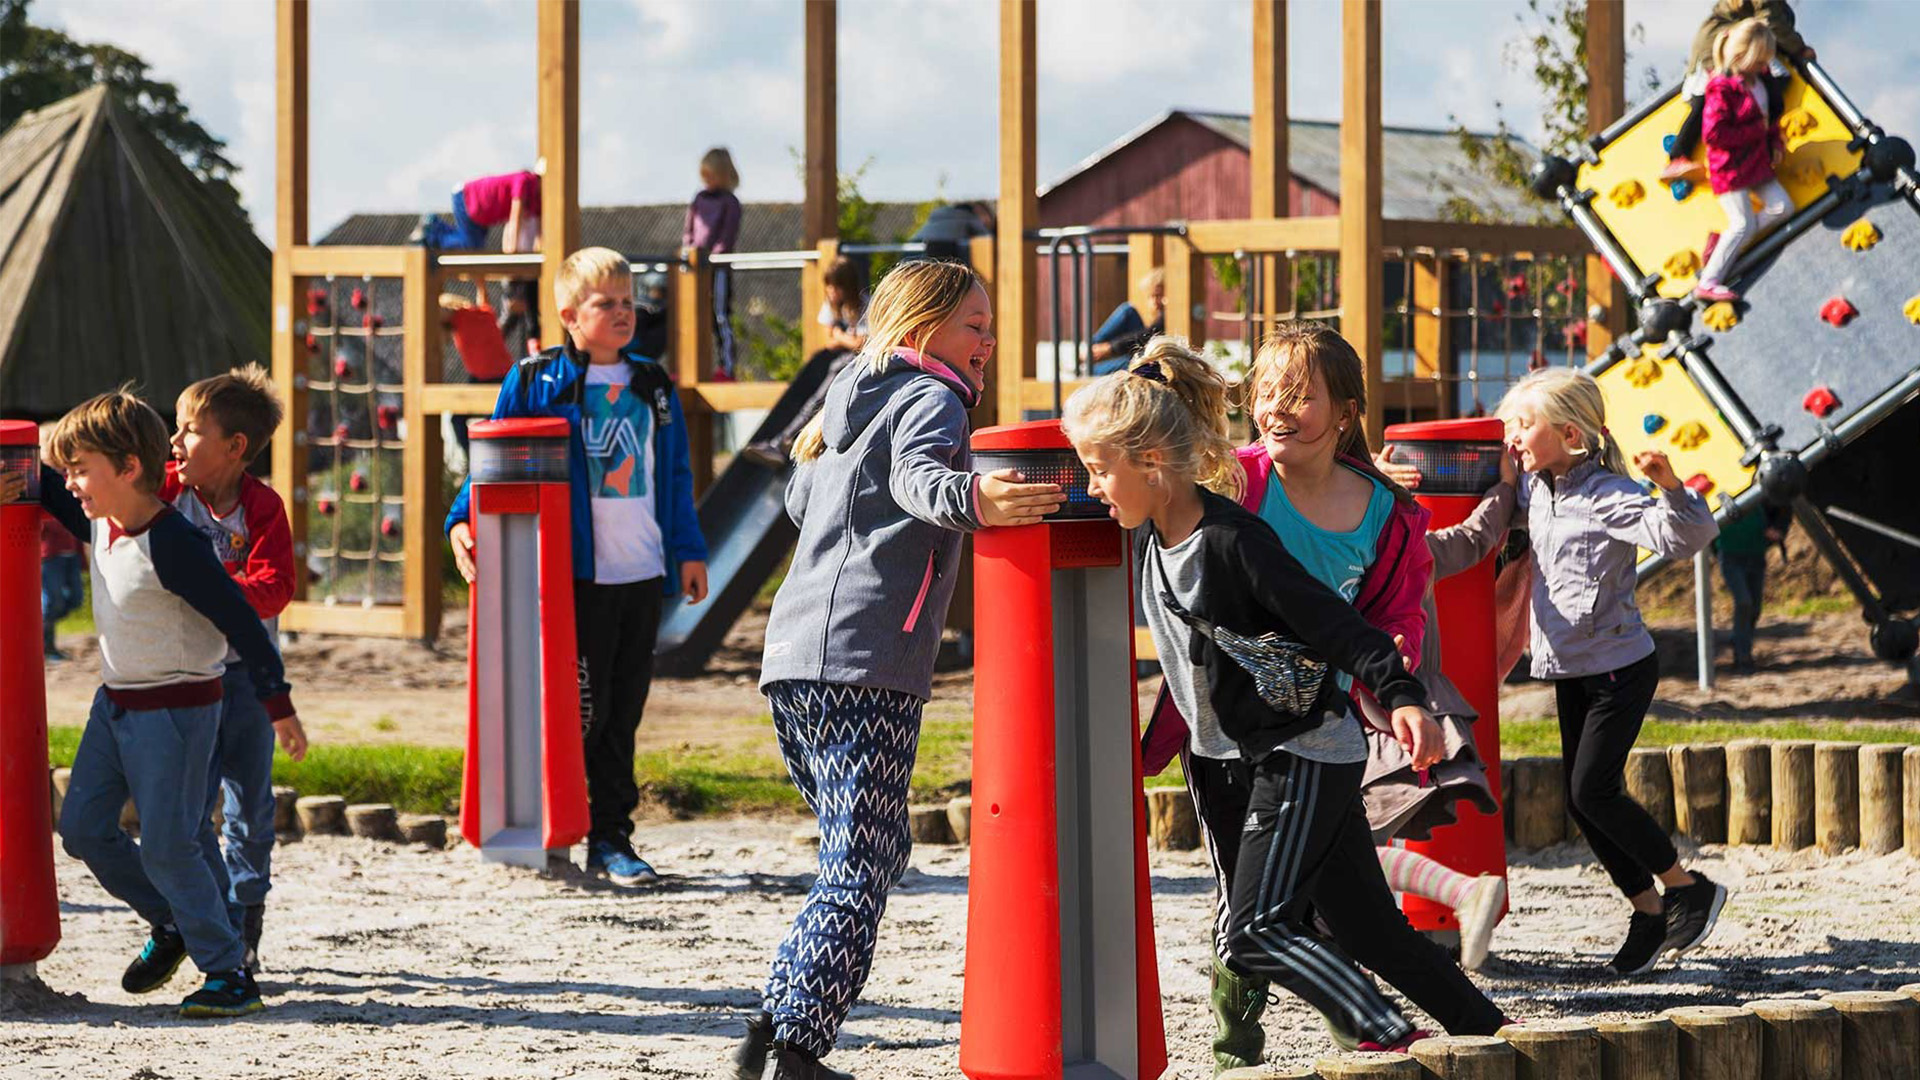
pixel 243 760
pixel 461 232
pixel 1746 578
pixel 173 873
pixel 1124 320
pixel 61 592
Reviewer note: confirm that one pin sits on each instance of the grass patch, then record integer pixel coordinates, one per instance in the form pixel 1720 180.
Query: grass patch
pixel 1541 737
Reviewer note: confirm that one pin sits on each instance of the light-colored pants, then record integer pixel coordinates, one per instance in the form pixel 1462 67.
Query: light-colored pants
pixel 1744 223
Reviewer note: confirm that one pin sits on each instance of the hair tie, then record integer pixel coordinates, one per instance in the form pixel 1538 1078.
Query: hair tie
pixel 1604 433
pixel 1150 371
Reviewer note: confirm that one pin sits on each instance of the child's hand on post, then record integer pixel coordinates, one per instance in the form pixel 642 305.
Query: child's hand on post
pixel 1399 472
pixel 292 737
pixel 461 537
pixel 1413 726
pixel 693 581
pixel 12 486
pixel 1654 466
pixel 1006 499
pixel 1509 467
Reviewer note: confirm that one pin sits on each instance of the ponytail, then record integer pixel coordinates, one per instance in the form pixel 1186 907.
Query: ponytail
pixel 1562 396
pixel 1169 400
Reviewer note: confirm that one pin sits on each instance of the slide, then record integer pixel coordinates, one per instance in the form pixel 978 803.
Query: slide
pixel 744 518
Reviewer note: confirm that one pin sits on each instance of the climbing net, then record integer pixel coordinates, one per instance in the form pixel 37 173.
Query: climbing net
pixel 354 439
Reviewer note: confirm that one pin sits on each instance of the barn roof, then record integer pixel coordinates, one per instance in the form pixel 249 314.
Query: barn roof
pixel 1424 166
pixel 116 263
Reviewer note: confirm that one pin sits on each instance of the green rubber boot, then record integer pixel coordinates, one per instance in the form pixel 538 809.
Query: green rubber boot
pixel 1238 1001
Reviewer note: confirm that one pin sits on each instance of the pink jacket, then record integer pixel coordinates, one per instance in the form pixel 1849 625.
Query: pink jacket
pixel 1740 138
pixel 1390 596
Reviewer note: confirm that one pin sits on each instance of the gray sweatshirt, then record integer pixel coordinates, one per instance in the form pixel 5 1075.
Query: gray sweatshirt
pixel 881 513
pixel 1586 529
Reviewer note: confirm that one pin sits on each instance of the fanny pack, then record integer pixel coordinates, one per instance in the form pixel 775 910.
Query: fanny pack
pixel 1286 674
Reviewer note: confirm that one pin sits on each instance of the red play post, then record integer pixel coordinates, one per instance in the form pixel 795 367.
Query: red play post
pixel 523 793
pixel 1061 977
pixel 1458 461
pixel 29 905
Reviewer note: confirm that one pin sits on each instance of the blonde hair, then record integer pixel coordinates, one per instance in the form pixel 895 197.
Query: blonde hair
pixel 720 163
pixel 1745 47
pixel 241 402
pixel 1560 396
pixel 119 426
pixel 1151 280
pixel 913 300
pixel 586 268
pixel 1183 418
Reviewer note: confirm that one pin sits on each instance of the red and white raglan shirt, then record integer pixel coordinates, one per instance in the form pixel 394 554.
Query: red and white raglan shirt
pixel 166 610
pixel 251 539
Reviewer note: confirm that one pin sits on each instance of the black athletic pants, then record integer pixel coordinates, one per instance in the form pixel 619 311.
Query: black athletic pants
pixel 1600 717
pixel 615 627
pixel 1290 840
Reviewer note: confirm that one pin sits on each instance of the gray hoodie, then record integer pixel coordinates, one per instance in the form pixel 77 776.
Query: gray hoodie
pixel 880 514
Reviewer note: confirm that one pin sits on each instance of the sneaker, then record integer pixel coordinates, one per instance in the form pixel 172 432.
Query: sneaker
pixel 230 994
pixel 787 1063
pixel 1397 1047
pixel 1691 912
pixel 156 963
pixel 55 656
pixel 419 234
pixel 616 860
pixel 1478 916
pixel 766 452
pixel 252 923
pixel 1646 940
pixel 1714 292
pixel 1681 169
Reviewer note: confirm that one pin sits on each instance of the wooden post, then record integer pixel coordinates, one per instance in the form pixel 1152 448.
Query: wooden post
pixel 1364 1065
pixel 813 336
pixel 558 110
pixel 820 205
pixel 1015 317
pixel 1539 797
pixel 1271 176
pixel 1186 288
pixel 1910 800
pixel 1717 1042
pixel 1880 798
pixel 1799 1040
pixel 1606 102
pixel 1144 255
pixel 1644 1048
pixel 1650 783
pixel 1836 796
pixel 1700 791
pixel 289 452
pixel 1879 1034
pixel 1792 781
pixel 1464 1057
pixel 1749 792
pixel 1171 820
pixel 693 358
pixel 420 456
pixel 1360 177
pixel 1554 1050
pixel 1431 333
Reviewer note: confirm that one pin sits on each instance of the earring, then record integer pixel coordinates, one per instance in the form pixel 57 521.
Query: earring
pixel 1153 481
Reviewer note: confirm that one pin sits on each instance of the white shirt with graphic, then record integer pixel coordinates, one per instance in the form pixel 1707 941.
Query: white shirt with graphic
pixel 618 429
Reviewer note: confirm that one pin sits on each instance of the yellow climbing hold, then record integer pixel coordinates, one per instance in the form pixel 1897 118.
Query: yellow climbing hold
pixel 1642 371
pixel 1803 170
pixel 1690 434
pixel 1681 264
pixel 1721 316
pixel 1912 310
pixel 1797 123
pixel 1626 193
pixel 1860 235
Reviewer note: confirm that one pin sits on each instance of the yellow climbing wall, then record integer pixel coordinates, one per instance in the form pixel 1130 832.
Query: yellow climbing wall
pixel 1685 425
pixel 1665 236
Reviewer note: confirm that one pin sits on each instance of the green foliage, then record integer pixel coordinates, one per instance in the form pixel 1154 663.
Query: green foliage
pixel 39 66
pixel 773 344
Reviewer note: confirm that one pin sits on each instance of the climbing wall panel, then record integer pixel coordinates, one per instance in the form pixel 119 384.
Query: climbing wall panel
pixel 1652 405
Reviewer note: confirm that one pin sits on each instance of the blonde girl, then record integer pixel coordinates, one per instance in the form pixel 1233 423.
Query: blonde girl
pixel 1743 146
pixel 1153 441
pixel 713 228
pixel 1587 519
pixel 883 495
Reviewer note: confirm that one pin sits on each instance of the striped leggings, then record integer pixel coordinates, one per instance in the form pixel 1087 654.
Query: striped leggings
pixel 1290 841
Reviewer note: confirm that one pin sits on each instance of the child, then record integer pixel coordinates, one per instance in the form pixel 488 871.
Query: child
pixel 636 537
pixel 1276 764
pixel 1700 66
pixel 221 424
pixel 166 612
pixel 713 227
pixel 61 562
pixel 1742 551
pixel 882 497
pixel 510 200
pixel 843 312
pixel 1586 520
pixel 1743 146
pixel 1128 328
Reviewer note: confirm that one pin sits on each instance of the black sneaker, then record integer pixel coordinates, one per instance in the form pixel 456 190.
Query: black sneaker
pixel 156 963
pixel 1691 912
pixel 750 1057
pixel 786 1063
pixel 230 994
pixel 1646 940
pixel 252 924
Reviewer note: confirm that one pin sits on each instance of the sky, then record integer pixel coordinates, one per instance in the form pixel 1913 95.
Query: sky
pixel 412 97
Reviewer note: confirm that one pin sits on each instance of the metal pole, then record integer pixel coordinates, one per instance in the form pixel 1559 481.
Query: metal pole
pixel 1703 618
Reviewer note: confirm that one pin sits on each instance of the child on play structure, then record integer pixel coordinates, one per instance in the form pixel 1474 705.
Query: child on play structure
pixel 1308 480
pixel 636 537
pixel 884 491
pixel 713 228
pixel 844 313
pixel 1778 17
pixel 1275 735
pixel 509 200
pixel 1587 520
pixel 167 613
pixel 221 424
pixel 1743 146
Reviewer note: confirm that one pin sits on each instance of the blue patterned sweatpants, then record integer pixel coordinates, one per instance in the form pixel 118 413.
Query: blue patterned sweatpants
pixel 850 752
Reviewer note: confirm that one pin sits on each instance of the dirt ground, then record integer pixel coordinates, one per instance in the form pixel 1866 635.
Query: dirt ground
pixel 394 963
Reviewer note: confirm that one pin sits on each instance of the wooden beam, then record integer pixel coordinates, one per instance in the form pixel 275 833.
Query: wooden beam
pixel 1037 394
pixel 558 110
pixel 722 397
pixel 820 206
pixel 290 124
pixel 1360 176
pixel 1520 240
pixel 1186 276
pixel 1016 316
pixel 693 355
pixel 813 293
pixel 460 399
pixel 1145 253
pixel 307 617
pixel 1606 102
pixel 348 261
pixel 1272 178
pixel 1430 332
pixel 288 448
pixel 420 460
pixel 1272 234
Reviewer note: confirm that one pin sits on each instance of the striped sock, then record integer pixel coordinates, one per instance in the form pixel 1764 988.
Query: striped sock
pixel 1412 872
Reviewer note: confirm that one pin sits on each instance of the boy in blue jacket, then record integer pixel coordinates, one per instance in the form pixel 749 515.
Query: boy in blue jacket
pixel 636 538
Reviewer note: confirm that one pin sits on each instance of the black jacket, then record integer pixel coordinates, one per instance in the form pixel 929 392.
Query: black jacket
pixel 1253 586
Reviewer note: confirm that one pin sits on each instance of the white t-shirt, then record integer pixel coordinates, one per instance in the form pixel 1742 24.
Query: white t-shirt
pixel 831 318
pixel 618 430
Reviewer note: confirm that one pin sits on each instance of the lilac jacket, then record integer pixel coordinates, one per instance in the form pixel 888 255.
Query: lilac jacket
pixel 713 222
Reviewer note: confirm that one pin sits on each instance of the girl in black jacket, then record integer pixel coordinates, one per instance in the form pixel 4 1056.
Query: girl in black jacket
pixel 1246 636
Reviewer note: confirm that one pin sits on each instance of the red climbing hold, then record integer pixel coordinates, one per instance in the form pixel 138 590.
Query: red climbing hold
pixel 325 506
pixel 340 433
pixel 316 301
pixel 389 527
pixel 1820 401
pixel 1838 311
pixel 342 367
pixel 372 322
pixel 359 299
pixel 358 481
pixel 312 345
pixel 1700 483
pixel 1498 309
pixel 1517 287
pixel 388 414
pixel 1577 333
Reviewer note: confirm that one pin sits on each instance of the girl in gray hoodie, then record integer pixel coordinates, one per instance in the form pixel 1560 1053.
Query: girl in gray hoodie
pixel 883 492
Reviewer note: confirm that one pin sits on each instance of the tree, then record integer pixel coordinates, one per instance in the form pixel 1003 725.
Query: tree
pixel 40 65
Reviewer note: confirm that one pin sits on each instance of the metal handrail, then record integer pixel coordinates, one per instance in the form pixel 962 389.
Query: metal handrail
pixel 765 260
pixel 902 247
